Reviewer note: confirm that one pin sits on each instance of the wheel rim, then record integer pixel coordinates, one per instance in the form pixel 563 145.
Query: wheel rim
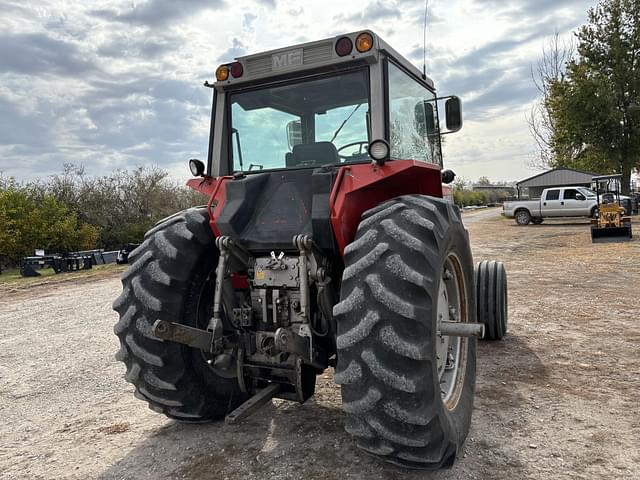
pixel 521 217
pixel 451 352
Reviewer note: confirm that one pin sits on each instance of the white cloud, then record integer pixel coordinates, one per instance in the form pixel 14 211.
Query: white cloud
pixel 120 85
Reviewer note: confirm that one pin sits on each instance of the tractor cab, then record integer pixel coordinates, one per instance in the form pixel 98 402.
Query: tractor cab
pixel 322 104
pixel 611 223
pixel 289 125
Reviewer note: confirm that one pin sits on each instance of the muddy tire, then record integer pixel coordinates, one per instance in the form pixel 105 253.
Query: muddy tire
pixel 388 346
pixel 491 296
pixel 523 217
pixel 170 278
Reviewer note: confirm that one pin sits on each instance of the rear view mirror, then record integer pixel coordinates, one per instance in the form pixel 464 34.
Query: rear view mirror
pixel 453 113
pixel 294 133
pixel 424 118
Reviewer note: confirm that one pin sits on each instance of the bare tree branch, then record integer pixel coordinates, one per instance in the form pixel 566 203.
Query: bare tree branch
pixel 548 70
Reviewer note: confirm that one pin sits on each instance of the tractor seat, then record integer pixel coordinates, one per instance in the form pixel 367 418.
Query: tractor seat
pixel 312 155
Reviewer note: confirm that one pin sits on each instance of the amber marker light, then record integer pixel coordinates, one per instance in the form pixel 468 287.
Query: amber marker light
pixel 222 73
pixel 364 42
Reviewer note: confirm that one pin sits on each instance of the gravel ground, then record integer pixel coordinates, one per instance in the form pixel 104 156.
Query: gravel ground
pixel 558 398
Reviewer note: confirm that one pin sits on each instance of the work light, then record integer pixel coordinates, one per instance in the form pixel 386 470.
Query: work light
pixel 196 167
pixel 379 151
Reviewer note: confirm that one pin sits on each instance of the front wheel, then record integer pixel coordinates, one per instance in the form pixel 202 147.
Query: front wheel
pixel 407 390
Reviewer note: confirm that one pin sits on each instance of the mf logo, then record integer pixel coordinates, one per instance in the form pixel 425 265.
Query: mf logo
pixel 286 59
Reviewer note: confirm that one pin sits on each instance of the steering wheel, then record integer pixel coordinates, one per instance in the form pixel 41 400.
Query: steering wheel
pixel 356 156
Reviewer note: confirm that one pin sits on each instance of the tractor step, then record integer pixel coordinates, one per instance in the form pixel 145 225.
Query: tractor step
pixel 253 404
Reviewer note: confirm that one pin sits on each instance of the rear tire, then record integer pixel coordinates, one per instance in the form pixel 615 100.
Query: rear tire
pixel 388 342
pixel 170 278
pixel 491 296
pixel 522 217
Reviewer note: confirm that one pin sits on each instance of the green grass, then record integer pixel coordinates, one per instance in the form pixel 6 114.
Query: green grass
pixel 12 280
pixel 13 275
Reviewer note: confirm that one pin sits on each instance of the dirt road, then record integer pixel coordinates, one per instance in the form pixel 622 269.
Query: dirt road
pixel 558 399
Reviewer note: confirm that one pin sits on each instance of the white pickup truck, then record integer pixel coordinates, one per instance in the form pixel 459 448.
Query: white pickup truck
pixel 555 202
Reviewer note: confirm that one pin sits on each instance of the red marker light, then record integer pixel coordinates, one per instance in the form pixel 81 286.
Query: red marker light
pixel 236 69
pixel 344 46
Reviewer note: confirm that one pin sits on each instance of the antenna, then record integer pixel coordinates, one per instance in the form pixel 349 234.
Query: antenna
pixel 424 40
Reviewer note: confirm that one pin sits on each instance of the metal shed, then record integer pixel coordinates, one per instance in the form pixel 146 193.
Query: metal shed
pixel 558 177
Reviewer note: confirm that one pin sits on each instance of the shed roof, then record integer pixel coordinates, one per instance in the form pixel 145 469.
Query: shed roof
pixel 482 186
pixel 557 177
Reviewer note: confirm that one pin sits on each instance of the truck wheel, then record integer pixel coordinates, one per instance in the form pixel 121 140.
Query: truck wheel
pixel 171 277
pixel 537 221
pixel 407 391
pixel 594 212
pixel 491 296
pixel 523 217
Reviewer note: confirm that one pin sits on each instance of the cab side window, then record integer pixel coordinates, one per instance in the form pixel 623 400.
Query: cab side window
pixel 413 120
pixel 553 195
pixel 570 194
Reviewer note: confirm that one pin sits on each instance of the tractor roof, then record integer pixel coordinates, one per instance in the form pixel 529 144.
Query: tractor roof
pixel 291 60
pixel 607 177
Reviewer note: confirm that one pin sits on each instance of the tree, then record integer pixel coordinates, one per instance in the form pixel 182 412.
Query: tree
pixel 596 108
pixel 549 71
pixel 74 211
pixel 27 223
pixel 121 206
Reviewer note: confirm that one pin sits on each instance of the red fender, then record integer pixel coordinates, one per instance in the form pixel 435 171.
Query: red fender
pixel 214 188
pixel 363 186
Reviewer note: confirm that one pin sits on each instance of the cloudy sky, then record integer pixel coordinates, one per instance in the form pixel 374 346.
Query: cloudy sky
pixel 118 84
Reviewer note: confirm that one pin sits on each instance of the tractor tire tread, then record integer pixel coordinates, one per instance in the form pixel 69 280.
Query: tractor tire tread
pixel 491 292
pixel 155 287
pixel 384 301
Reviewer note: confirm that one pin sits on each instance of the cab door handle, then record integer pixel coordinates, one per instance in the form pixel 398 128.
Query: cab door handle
pixel 561 203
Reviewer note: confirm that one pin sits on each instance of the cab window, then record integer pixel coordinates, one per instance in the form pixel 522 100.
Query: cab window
pixel 305 123
pixel 569 194
pixel 413 120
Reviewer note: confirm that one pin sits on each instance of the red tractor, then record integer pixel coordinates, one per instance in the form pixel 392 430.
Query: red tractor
pixel 326 242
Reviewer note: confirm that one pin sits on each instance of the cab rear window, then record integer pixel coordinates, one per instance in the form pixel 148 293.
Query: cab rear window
pixel 553 194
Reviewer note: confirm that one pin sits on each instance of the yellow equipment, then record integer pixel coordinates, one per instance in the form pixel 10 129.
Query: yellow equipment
pixel 610 224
